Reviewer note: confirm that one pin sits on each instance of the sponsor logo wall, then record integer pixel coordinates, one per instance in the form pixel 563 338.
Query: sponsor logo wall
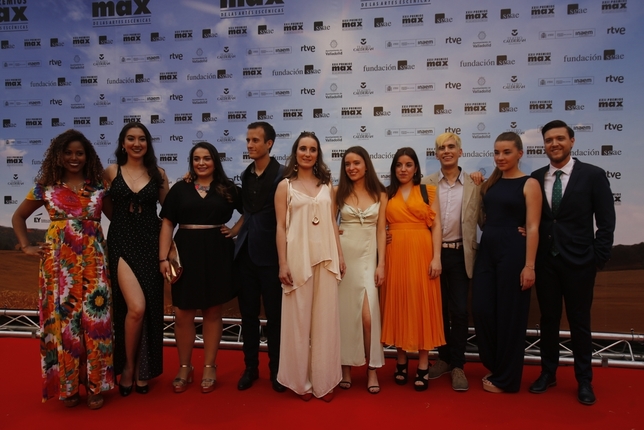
pixel 381 74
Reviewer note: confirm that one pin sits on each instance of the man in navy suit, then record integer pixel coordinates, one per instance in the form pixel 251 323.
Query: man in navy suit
pixel 257 266
pixel 570 252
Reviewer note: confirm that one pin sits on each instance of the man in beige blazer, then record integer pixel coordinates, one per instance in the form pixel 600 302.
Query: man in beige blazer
pixel 460 200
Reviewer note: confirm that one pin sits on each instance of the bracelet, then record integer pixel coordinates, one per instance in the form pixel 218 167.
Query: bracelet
pixel 529 267
pixel 161 261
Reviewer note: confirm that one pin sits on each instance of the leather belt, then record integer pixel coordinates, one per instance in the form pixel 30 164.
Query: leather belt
pixel 453 245
pixel 200 226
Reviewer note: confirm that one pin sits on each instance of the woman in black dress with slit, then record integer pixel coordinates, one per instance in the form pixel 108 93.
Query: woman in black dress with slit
pixel 200 206
pixel 136 185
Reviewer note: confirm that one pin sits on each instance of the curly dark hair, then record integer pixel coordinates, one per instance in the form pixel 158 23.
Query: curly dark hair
pixel 320 170
pixel 52 171
pixel 149 159
pixel 220 182
pixel 394 183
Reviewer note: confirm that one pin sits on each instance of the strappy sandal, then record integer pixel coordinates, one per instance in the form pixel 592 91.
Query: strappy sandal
pixel 400 375
pixel 72 401
pixel 208 384
pixel 422 376
pixel 94 401
pixel 180 384
pixel 372 389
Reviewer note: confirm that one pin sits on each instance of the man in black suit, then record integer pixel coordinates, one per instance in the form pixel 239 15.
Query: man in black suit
pixel 257 266
pixel 569 254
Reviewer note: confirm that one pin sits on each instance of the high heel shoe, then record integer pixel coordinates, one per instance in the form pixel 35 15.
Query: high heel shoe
pixel 208 384
pixel 95 401
pixel 142 389
pixel 180 384
pixel 422 377
pixel 400 376
pixel 328 396
pixel 372 389
pixel 125 391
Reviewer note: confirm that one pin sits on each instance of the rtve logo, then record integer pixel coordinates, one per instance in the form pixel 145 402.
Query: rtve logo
pixel 121 8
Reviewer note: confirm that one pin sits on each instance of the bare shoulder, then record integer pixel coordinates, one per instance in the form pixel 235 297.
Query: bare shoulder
pixel 110 172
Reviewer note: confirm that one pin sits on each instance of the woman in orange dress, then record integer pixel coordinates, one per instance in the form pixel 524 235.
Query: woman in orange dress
pixel 411 297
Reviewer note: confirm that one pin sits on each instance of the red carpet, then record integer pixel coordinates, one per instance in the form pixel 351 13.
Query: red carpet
pixel 620 404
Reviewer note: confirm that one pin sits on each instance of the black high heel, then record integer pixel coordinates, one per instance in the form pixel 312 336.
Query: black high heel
pixel 401 370
pixel 420 377
pixel 142 389
pixel 125 391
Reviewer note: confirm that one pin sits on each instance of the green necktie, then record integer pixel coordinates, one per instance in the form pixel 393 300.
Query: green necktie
pixel 557 193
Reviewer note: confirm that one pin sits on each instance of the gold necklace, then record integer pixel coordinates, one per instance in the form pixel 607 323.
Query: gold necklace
pixel 131 177
pixel 315 220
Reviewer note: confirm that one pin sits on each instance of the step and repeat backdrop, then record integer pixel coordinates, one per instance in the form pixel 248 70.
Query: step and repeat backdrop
pixel 381 74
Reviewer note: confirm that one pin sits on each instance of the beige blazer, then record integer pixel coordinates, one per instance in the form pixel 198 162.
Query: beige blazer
pixel 469 216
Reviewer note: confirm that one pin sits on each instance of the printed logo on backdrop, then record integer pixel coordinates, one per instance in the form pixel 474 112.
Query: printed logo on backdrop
pixel 319 26
pixel 481 86
pixel 199 58
pixel 33 123
pixel 208 117
pixel 293 27
pixel 263 29
pixel 411 110
pixel 199 99
pixel 351 112
pixel 226 137
pixel 441 18
pixel 574 9
pixel 226 96
pixel 169 158
pixel 156 119
pixel 363 47
pixel 613 127
pixel 221 74
pixel 77 104
pixel 32 44
pixel 270 51
pixel 333 136
pixel 410 43
pixel 379 4
pixel 535 151
pixel 207 33
pixel 547 11
pixel 440 63
pixel 251 72
pixel 13 16
pixel 572 105
pixel 476 15
pixel 82 121
pixel 103 121
pixel 54 43
pixel 582 128
pixel 168 77
pixel 480 132
pixel 34 63
pixel 617 199
pixel 103 40
pixel 506 107
pixel 131 118
pixel 341 68
pixel 250 8
pixel 319 113
pixel 578 80
pixel 362 134
pixel 540 106
pixel 606 104
pixel 333 92
pixel 608 151
pixel 508 14
pixel 292 114
pixel 609 6
pixel 175 56
pixel 403 65
pixel 363 90
pixel 475 108
pixel 13 84
pixel 413 20
pixel 309 69
pixel 262 115
pixel 9 200
pixel 55 102
pixel 567 34
pixel 514 127
pixel 380 111
pixel 430 153
pixel 238 31
pixel 337 154
pixel 15 181
pixel 81 41
pixel 514 38
pixel 123 12
pixel 156 37
pixel 307 91
pixel 381 23
pixel 8 123
pixel 226 54
pixel 539 58
pixel 102 141
pixel 5 44
pixel 442 110
pixel 129 39
pixel 56 122
pixel 268 93
pixel 237 116
pixel 482 41
pixel 352 24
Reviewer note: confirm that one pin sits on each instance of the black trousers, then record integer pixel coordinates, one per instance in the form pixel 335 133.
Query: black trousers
pixel 559 281
pixel 454 288
pixel 259 284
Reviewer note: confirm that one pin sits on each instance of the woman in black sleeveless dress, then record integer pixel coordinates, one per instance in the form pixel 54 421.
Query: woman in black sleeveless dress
pixel 136 185
pixel 504 268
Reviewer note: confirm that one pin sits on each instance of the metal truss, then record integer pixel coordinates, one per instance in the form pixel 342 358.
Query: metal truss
pixel 610 349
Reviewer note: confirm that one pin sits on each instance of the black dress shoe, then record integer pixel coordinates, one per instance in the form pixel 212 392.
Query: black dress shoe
pixel 585 394
pixel 142 389
pixel 125 391
pixel 276 385
pixel 246 380
pixel 543 382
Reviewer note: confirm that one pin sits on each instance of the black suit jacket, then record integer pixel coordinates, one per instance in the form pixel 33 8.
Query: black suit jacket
pixel 260 226
pixel 587 195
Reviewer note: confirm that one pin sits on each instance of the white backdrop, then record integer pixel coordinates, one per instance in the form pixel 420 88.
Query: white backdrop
pixel 381 74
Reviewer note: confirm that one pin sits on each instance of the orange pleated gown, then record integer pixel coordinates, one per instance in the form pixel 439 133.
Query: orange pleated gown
pixel 410 300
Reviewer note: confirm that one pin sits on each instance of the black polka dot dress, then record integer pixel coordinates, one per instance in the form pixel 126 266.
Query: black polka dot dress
pixel 133 237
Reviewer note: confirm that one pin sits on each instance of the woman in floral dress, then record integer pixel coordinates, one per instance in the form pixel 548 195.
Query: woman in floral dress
pixel 74 293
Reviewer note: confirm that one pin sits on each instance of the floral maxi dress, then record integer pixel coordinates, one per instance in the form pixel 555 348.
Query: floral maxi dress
pixel 74 293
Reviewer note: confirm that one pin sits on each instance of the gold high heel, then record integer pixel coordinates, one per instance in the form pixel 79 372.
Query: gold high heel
pixel 180 384
pixel 208 384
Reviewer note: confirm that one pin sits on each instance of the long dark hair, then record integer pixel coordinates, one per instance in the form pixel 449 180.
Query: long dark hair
pixel 394 183
pixel 509 136
pixel 222 185
pixel 371 183
pixel 320 170
pixel 149 159
pixel 52 171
